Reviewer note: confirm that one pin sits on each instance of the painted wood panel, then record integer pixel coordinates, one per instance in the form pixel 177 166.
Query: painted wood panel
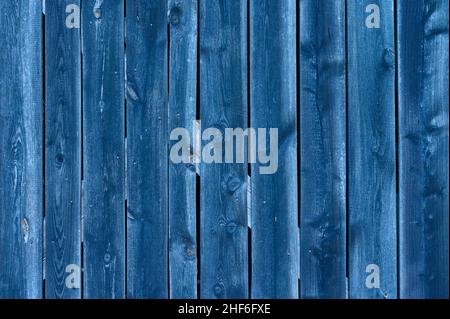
pixel 21 149
pixel 423 148
pixel 348 196
pixel 322 149
pixel 371 150
pixel 103 149
pixel 275 235
pixel 223 104
pixel 147 149
pixel 182 177
pixel 62 149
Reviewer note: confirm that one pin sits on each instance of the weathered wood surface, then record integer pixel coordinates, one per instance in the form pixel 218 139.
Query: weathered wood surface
pixel 423 148
pixel 223 104
pixel 371 151
pixel 147 149
pixel 322 149
pixel 21 149
pixel 62 151
pixel 103 149
pixel 182 177
pixel 360 189
pixel 275 235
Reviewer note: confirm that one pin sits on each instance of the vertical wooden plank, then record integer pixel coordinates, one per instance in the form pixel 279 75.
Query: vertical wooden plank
pixel 62 147
pixel 147 151
pixel 275 242
pixel 103 149
pixel 322 149
pixel 423 148
pixel 371 149
pixel 223 103
pixel 21 165
pixel 182 177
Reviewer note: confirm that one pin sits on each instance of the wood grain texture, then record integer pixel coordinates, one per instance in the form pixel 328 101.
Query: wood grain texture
pixel 21 162
pixel 223 103
pixel 182 177
pixel 62 150
pixel 423 148
pixel 371 150
pixel 275 242
pixel 147 149
pixel 86 178
pixel 322 149
pixel 103 149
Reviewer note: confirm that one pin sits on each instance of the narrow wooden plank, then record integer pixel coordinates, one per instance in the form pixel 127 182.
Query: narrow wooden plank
pixel 371 150
pixel 147 149
pixel 62 149
pixel 322 149
pixel 275 242
pixel 423 148
pixel 182 177
pixel 103 149
pixel 21 162
pixel 223 103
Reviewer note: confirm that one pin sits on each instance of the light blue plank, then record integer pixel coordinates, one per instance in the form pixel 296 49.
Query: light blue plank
pixel 322 149
pixel 371 151
pixel 423 148
pixel 182 177
pixel 21 162
pixel 275 242
pixel 62 149
pixel 147 149
pixel 223 103
pixel 103 149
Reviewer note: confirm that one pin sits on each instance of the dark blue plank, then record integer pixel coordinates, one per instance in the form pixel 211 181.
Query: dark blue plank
pixel 371 151
pixel 322 149
pixel 182 177
pixel 62 150
pixel 223 103
pixel 275 242
pixel 21 162
pixel 147 149
pixel 423 148
pixel 103 149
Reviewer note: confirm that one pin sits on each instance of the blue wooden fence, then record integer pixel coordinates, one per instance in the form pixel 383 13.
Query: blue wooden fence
pixel 93 206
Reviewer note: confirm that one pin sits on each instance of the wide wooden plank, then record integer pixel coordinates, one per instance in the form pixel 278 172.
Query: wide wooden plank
pixel 182 176
pixel 147 149
pixel 322 149
pixel 223 104
pixel 21 162
pixel 21 151
pixel 371 149
pixel 423 148
pixel 103 149
pixel 275 242
pixel 62 149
